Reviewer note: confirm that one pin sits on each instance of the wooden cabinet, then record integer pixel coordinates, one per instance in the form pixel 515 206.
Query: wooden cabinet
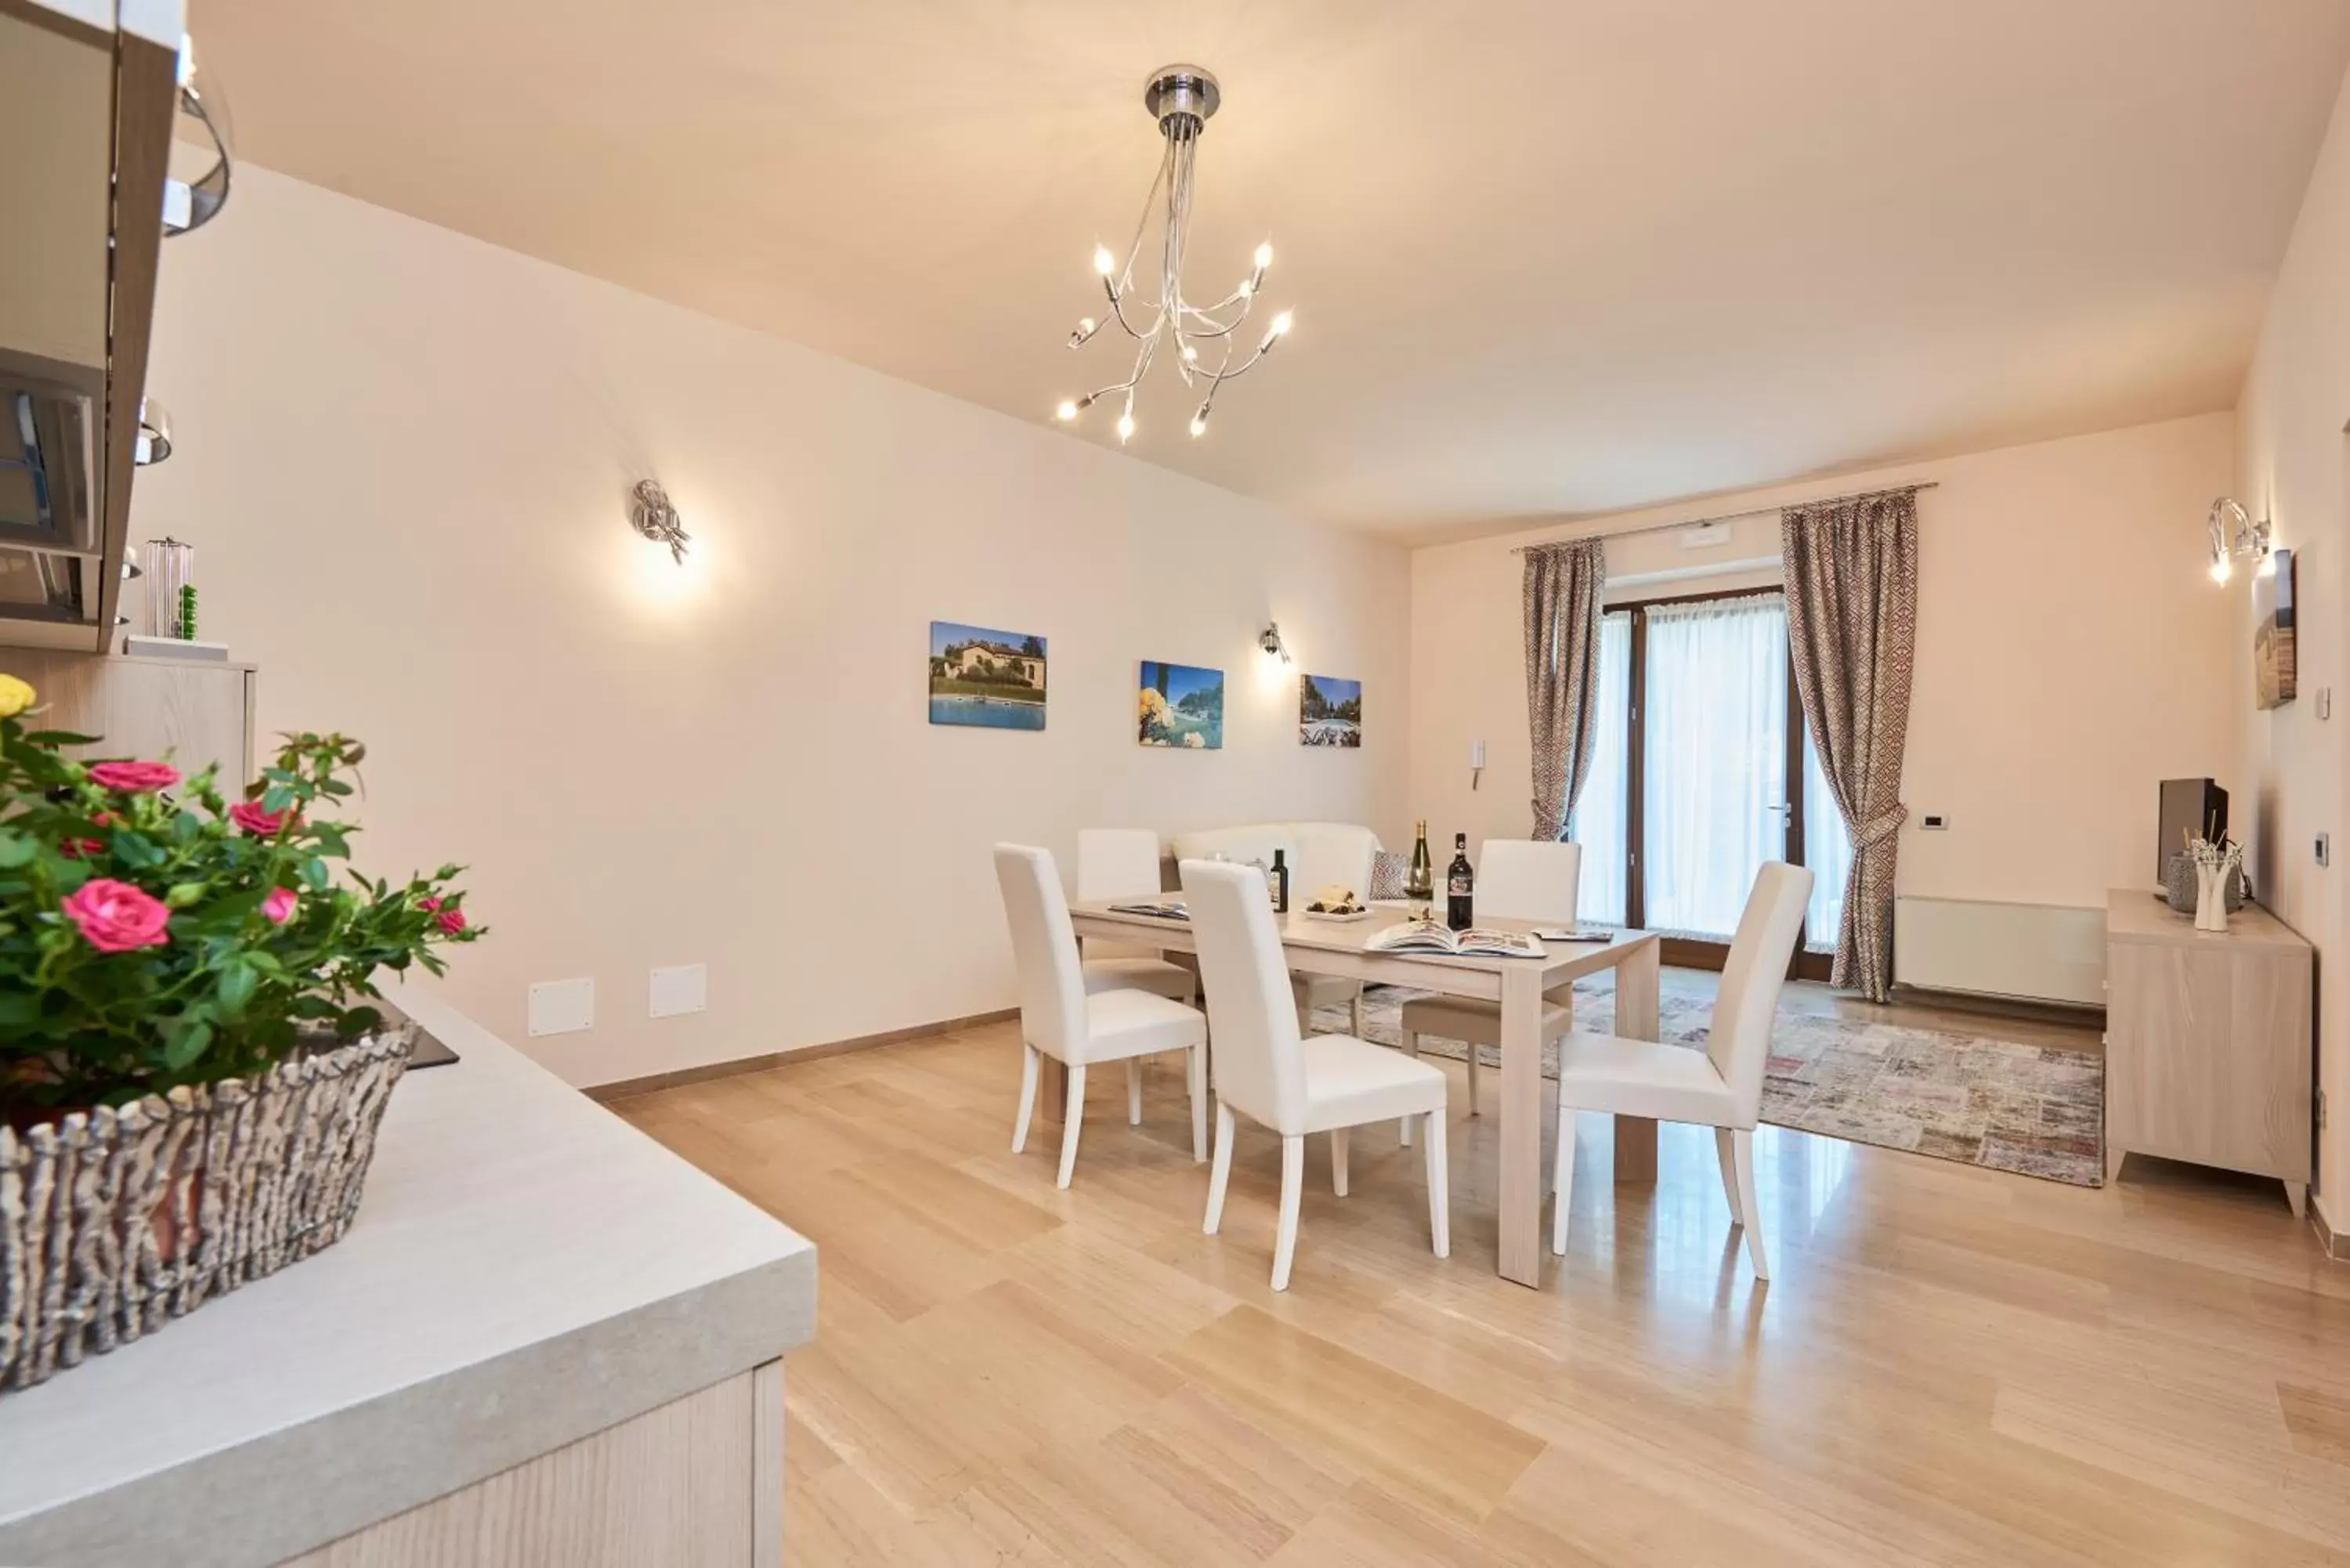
pixel 200 714
pixel 2207 1041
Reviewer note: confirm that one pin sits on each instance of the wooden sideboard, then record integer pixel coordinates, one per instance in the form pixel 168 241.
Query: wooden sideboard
pixel 2207 1041
pixel 199 712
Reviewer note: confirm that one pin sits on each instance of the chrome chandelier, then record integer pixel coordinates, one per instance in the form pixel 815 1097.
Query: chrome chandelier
pixel 1201 338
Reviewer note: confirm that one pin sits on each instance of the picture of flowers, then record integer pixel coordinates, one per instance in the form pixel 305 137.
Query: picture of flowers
pixel 1329 711
pixel 1180 705
pixel 994 679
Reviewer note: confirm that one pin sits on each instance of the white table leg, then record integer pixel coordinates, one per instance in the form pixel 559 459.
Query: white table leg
pixel 1637 1003
pixel 1522 1120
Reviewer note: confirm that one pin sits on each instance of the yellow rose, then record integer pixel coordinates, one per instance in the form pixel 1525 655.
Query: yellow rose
pixel 15 696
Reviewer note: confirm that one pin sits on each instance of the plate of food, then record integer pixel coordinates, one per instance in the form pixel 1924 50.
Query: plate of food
pixel 1336 903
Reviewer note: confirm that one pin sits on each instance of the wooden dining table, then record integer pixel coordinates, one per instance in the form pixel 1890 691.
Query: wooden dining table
pixel 1336 948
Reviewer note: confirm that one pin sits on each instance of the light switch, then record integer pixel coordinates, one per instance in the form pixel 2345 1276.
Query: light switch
pixel 684 988
pixel 2325 850
pixel 562 1006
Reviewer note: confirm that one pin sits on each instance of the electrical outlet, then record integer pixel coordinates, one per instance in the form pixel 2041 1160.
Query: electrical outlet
pixel 1934 822
pixel 562 1006
pixel 684 988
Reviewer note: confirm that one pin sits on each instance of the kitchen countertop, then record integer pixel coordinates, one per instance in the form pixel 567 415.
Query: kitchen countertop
pixel 526 1269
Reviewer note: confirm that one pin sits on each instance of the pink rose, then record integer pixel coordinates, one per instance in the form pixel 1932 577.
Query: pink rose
pixel 80 848
pixel 279 905
pixel 428 903
pixel 452 920
pixel 116 918
pixel 135 778
pixel 248 814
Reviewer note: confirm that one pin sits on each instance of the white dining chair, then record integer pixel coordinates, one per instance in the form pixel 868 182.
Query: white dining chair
pixel 1060 1019
pixel 1292 1082
pixel 1517 879
pixel 1719 1086
pixel 1123 863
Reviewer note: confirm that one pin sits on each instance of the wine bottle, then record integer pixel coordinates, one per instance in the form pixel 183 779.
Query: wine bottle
pixel 1278 881
pixel 1420 883
pixel 1460 887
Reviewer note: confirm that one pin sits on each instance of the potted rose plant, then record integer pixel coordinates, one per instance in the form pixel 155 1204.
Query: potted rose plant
pixel 191 1065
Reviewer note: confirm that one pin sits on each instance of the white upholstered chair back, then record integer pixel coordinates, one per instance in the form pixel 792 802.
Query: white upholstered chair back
pixel 1044 950
pixel 1259 1067
pixel 1523 879
pixel 1739 1041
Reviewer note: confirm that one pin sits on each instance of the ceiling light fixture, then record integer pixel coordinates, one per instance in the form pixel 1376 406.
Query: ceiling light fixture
pixel 650 514
pixel 2233 533
pixel 1180 98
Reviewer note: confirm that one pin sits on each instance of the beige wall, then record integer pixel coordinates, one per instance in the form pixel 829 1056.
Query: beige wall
pixel 2291 455
pixel 2071 653
pixel 402 457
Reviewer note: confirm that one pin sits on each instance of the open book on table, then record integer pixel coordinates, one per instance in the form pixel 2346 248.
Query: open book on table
pixel 1434 937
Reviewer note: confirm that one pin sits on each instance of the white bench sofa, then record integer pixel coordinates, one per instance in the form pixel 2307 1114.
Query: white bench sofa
pixel 1318 854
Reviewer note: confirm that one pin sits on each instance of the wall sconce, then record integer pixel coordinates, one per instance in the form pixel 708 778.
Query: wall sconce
pixel 650 514
pixel 153 444
pixel 2233 533
pixel 1270 640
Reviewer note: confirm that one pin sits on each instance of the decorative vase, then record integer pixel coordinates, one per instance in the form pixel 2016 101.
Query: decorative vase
pixel 116 1221
pixel 2178 884
pixel 2210 897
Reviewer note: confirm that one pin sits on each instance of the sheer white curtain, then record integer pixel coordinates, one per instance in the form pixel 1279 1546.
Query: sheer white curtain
pixel 1715 758
pixel 1598 823
pixel 1827 850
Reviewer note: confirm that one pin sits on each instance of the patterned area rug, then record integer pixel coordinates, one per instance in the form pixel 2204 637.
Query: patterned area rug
pixel 2033 1110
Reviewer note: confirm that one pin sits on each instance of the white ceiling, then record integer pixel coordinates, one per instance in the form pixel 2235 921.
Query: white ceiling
pixel 1547 257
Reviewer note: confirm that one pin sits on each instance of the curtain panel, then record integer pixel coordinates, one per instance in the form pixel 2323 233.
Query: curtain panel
pixel 1565 585
pixel 1852 629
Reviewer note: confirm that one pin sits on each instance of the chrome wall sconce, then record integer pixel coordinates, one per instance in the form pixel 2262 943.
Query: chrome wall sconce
pixel 2233 533
pixel 650 514
pixel 195 186
pixel 1270 640
pixel 153 444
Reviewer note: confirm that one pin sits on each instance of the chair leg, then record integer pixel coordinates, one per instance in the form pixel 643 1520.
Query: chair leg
pixel 1741 1147
pixel 1727 1157
pixel 1028 1069
pixel 1070 1119
pixel 1354 1012
pixel 1293 1186
pixel 1195 1074
pixel 1338 1161
pixel 1134 1091
pixel 1475 1050
pixel 1440 1188
pixel 1410 1049
pixel 1219 1176
pixel 1562 1181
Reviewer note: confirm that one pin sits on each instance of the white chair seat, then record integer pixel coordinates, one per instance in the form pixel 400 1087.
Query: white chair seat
pixel 1644 1078
pixel 1124 1023
pixel 1152 974
pixel 1349 1082
pixel 1475 1022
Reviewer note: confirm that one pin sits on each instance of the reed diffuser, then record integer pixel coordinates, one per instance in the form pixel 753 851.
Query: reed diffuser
pixel 2216 866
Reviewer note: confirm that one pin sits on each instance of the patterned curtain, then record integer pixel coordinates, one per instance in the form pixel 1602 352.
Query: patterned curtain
pixel 1852 628
pixel 1563 589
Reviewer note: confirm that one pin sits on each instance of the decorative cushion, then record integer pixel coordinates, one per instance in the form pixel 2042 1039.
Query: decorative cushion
pixel 1389 871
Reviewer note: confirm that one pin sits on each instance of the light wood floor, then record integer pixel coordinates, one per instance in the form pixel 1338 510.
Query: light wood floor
pixel 1952 1365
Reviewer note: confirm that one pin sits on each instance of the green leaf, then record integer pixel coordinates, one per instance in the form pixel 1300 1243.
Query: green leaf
pixel 236 988
pixel 137 850
pixel 276 797
pixel 180 1053
pixel 16 848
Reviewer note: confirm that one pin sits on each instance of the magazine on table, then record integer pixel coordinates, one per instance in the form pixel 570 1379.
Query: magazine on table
pixel 1154 909
pixel 1435 936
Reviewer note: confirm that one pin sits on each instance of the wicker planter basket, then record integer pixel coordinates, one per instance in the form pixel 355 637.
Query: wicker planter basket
pixel 117 1220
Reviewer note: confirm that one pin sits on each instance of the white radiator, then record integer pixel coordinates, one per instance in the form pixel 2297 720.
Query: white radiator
pixel 2036 952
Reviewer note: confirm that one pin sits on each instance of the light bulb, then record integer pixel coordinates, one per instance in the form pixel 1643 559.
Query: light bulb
pixel 1104 262
pixel 1264 256
pixel 1125 428
pixel 1200 424
pixel 1190 352
pixel 1067 411
pixel 1248 287
pixel 2220 570
pixel 1281 324
pixel 1085 323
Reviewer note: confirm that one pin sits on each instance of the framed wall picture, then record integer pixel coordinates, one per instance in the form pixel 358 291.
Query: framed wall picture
pixel 2275 654
pixel 1180 707
pixel 979 675
pixel 1329 711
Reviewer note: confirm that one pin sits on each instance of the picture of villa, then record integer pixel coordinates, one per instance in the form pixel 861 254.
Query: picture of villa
pixel 993 680
pixel 1181 706
pixel 1329 711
